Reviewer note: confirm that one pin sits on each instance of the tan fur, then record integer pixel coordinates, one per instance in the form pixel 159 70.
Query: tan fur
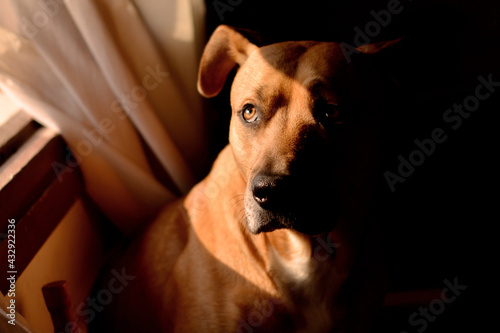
pixel 197 266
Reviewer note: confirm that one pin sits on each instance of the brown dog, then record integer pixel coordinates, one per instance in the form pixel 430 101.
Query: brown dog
pixel 276 238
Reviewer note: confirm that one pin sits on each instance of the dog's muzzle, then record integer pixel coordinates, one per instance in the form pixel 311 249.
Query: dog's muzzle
pixel 282 201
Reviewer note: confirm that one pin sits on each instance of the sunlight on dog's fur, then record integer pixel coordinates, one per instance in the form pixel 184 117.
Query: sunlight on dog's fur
pixel 277 238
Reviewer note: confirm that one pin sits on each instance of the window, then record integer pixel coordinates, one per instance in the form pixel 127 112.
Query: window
pixel 31 193
pixel 7 108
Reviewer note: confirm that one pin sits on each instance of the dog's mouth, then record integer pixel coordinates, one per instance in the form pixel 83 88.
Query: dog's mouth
pixel 290 208
pixel 309 223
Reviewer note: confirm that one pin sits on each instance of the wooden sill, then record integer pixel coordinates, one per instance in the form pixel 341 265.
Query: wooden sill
pixel 14 132
pixel 31 192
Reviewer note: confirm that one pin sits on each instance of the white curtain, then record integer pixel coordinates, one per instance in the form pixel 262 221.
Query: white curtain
pixel 117 78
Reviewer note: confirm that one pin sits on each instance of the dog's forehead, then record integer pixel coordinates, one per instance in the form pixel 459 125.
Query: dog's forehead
pixel 296 59
pixel 300 62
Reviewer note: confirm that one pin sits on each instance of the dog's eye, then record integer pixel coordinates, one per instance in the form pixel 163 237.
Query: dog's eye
pixel 249 113
pixel 330 113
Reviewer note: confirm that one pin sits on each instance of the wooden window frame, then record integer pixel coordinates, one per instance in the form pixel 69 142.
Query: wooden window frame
pixel 31 193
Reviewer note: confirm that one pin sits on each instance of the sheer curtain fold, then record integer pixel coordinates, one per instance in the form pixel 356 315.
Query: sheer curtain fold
pixel 95 71
pixel 123 83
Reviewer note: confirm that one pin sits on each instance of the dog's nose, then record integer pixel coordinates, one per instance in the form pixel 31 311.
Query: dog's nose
pixel 266 190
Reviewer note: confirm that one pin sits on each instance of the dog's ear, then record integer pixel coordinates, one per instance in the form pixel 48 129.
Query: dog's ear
pixel 384 55
pixel 375 48
pixel 225 49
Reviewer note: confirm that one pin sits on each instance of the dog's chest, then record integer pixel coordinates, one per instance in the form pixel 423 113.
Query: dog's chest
pixel 310 286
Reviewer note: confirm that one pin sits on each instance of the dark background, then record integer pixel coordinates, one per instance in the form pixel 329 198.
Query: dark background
pixel 441 222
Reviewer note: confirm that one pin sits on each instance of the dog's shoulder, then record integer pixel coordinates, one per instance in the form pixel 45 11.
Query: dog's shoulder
pixel 168 233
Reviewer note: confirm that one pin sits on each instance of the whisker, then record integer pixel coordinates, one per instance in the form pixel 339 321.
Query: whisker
pixel 242 218
pixel 237 196
pixel 237 199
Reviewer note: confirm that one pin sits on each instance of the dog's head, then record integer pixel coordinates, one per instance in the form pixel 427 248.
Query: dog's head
pixel 303 129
